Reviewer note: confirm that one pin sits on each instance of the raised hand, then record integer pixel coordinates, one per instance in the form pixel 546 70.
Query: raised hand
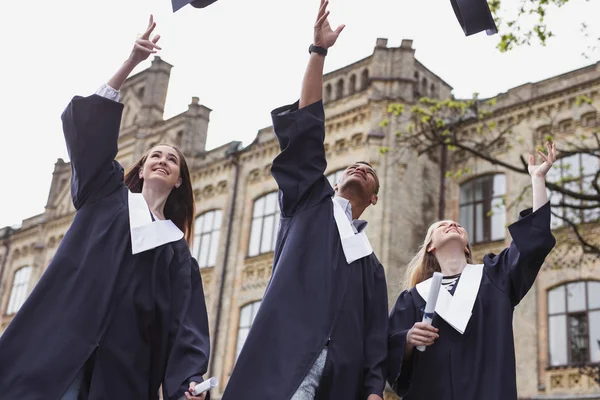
pixel 541 170
pixel 324 36
pixel 144 46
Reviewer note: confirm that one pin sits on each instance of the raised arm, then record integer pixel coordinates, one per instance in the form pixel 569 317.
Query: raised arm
pixel 515 269
pixel 143 47
pixel 300 130
pixel 324 38
pixel 91 128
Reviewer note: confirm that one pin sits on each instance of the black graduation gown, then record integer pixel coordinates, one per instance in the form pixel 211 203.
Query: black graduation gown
pixel 479 364
pixel 139 319
pixel 313 294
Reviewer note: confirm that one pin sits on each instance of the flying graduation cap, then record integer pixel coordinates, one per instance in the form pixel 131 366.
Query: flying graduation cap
pixel 177 4
pixel 474 16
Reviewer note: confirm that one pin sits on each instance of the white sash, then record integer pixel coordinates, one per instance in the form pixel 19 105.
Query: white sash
pixel 355 246
pixel 145 233
pixel 457 309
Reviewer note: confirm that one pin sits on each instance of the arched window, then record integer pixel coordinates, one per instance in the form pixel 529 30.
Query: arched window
pixel 328 92
pixel 335 176
pixel 566 125
pixel 416 89
pixel 424 86
pixel 247 315
pixel 589 119
pixel 574 324
pixel 207 230
pixel 339 89
pixel 433 90
pixel 18 291
pixel 265 220
pixel 482 209
pixel 352 84
pixel 364 79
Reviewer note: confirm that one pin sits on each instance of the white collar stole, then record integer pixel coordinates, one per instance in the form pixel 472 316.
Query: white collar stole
pixel 355 246
pixel 145 233
pixel 457 310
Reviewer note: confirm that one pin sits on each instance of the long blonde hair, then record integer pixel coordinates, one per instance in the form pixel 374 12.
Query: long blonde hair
pixel 424 263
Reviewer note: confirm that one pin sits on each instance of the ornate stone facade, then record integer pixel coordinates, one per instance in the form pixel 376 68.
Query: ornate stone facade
pixel 231 181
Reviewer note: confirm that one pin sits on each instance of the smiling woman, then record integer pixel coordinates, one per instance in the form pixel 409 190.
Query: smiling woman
pixel 164 167
pixel 120 310
pixel 469 347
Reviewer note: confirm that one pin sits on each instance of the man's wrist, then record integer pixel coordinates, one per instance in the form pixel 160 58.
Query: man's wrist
pixel 313 48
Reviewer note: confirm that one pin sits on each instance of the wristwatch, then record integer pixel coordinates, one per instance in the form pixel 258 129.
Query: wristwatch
pixel 319 50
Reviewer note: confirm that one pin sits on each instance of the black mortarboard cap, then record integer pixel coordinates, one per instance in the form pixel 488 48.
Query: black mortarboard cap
pixel 177 4
pixel 474 16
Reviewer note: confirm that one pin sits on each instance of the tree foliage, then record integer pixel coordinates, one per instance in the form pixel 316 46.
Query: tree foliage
pixel 471 130
pixel 527 24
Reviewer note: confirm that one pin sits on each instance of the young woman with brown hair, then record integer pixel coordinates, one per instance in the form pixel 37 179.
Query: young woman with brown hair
pixel 469 348
pixel 120 310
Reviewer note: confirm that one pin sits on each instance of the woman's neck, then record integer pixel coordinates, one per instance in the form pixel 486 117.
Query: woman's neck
pixel 452 259
pixel 156 200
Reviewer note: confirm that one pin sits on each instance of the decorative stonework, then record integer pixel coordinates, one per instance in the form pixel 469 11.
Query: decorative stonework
pixel 569 381
pixel 211 190
pixel 207 275
pixel 257 272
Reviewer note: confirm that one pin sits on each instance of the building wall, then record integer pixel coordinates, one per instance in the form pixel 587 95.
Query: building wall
pixel 230 178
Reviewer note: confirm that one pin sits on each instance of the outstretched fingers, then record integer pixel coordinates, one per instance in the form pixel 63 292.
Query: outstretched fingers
pixel 321 21
pixel 151 26
pixel 150 45
pixel 323 13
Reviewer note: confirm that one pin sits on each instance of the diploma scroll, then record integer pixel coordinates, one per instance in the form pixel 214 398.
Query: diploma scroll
pixel 205 386
pixel 436 284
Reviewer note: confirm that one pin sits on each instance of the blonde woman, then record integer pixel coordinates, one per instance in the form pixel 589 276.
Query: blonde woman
pixel 469 348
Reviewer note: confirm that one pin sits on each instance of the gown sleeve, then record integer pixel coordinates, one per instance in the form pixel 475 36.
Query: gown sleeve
pixel 376 335
pixel 301 163
pixel 515 269
pixel 401 320
pixel 189 339
pixel 91 128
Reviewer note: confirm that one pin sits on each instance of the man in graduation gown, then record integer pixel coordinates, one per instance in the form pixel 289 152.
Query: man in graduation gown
pixel 321 330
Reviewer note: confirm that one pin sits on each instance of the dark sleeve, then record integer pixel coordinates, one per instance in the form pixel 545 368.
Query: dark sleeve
pixel 91 128
pixel 514 270
pixel 402 318
pixel 189 338
pixel 298 169
pixel 376 335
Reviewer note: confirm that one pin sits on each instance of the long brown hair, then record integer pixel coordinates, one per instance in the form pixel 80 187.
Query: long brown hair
pixel 424 263
pixel 180 206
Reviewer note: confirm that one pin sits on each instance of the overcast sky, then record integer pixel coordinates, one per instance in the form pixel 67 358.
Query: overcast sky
pixel 241 57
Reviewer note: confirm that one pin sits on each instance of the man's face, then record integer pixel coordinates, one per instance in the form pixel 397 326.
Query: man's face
pixel 361 179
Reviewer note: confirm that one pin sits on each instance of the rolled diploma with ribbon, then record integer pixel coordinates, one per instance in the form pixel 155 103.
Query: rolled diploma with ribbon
pixel 434 290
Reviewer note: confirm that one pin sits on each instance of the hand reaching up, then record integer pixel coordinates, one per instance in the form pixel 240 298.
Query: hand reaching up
pixel 324 36
pixel 144 46
pixel 541 170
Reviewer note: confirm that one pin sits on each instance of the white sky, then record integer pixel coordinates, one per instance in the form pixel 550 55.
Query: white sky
pixel 241 57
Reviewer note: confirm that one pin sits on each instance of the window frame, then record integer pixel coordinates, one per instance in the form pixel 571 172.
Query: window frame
pixel 199 234
pixel 486 198
pixel 277 216
pixel 565 176
pixel 254 307
pixel 587 310
pixel 24 286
